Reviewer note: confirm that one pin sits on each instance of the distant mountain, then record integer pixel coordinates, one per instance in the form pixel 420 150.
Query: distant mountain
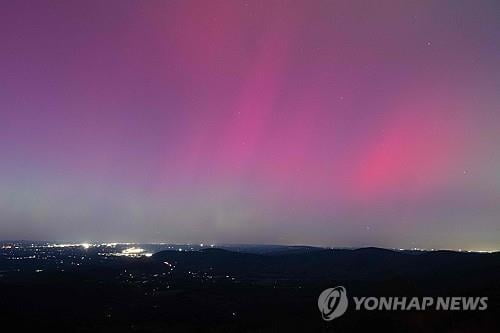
pixel 269 249
pixel 344 264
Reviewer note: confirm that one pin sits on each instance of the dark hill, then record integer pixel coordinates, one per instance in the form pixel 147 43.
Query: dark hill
pixel 359 264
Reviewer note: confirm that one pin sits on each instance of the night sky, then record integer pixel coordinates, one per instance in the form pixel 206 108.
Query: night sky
pixel 338 123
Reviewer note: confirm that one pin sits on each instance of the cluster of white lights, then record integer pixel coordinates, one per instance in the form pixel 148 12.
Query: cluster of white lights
pixel 133 252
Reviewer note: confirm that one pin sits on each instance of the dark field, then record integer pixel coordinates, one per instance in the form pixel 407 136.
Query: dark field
pixel 256 289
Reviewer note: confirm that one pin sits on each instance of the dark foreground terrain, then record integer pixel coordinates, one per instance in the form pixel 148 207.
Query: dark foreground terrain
pixel 257 289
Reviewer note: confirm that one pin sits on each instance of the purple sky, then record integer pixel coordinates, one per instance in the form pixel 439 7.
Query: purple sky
pixel 341 123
